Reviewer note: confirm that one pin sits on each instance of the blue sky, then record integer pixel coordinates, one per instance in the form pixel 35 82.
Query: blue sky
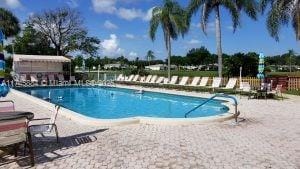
pixel 122 26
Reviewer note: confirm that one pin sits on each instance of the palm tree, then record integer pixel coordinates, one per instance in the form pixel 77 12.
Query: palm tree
pixel 233 6
pixel 9 24
pixel 173 21
pixel 281 13
pixel 150 56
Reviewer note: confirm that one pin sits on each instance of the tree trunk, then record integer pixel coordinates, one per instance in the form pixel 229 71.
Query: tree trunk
pixel 169 58
pixel 218 40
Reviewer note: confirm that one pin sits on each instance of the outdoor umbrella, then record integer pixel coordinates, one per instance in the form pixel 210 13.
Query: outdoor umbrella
pixel 261 67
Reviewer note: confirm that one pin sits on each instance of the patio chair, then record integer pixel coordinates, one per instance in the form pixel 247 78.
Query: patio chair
pixel 72 79
pixel 142 79
pixel 22 81
pixel 136 77
pixel 13 132
pixel 277 91
pixel 183 81
pixel 246 87
pixel 34 80
pixel 61 80
pixel 195 81
pixel 52 80
pixel 216 82
pixel 120 77
pixel 153 79
pixel 230 84
pixel 7 106
pixel 45 128
pixel 174 80
pixel 130 78
pixel 203 81
pixel 160 80
pixel 147 80
pixel 44 81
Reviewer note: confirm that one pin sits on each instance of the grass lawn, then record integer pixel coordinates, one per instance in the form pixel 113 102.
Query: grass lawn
pixel 284 73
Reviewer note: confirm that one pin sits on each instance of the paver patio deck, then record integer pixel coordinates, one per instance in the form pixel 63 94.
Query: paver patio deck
pixel 269 138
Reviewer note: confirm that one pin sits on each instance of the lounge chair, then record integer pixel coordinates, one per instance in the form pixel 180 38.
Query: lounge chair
pixel 183 81
pixel 203 81
pixel 160 80
pixel 246 88
pixel 44 81
pixel 130 78
pixel 61 80
pixel 136 77
pixel 34 80
pixel 142 79
pixel 216 82
pixel 231 83
pixel 277 91
pixel 195 81
pixel 153 79
pixel 45 127
pixel 13 132
pixel 174 80
pixel 22 81
pixel 72 79
pixel 120 78
pixel 6 106
pixel 147 80
pixel 52 80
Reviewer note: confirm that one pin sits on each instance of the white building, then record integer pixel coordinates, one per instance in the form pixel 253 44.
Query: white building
pixel 160 67
pixel 32 64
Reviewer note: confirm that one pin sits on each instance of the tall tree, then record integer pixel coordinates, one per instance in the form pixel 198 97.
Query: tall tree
pixel 64 28
pixel 150 56
pixel 9 24
pixel 31 42
pixel 281 13
pixel 173 21
pixel 233 6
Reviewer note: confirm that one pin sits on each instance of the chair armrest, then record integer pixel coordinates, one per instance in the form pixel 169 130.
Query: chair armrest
pixel 40 119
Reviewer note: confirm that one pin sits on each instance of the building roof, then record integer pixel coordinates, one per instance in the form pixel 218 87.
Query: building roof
pixel 39 58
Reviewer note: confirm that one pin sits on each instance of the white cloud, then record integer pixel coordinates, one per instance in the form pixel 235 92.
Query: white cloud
pixel 109 6
pixel 104 6
pixel 194 41
pixel 110 47
pixel 210 26
pixel 133 55
pixel 130 14
pixel 129 36
pixel 109 25
pixel 72 3
pixel 11 3
pixel 148 15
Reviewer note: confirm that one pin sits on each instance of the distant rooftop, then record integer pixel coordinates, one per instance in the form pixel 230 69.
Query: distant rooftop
pixel 39 58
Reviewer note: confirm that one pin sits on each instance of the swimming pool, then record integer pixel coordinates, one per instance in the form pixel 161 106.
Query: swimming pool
pixel 117 103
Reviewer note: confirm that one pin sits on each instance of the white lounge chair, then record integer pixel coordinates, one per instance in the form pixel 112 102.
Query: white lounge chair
pixel 153 79
pixel 231 83
pixel 52 80
pixel 148 79
pixel 160 80
pixel 120 78
pixel 174 80
pixel 195 81
pixel 142 79
pixel 22 81
pixel 216 82
pixel 61 80
pixel 34 80
pixel 203 81
pixel 44 81
pixel 136 77
pixel 72 79
pixel 183 81
pixel 130 78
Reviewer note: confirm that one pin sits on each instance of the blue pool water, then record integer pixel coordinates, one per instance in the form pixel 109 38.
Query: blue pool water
pixel 114 103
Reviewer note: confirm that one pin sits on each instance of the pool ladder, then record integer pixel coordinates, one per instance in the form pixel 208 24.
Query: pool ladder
pixel 236 114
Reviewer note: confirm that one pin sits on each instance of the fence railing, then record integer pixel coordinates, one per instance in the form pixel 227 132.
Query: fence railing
pixel 294 83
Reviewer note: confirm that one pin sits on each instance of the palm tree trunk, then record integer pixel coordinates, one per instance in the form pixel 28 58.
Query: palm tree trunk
pixel 218 40
pixel 169 58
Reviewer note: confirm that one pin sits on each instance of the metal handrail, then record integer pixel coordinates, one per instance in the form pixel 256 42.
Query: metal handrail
pixel 211 98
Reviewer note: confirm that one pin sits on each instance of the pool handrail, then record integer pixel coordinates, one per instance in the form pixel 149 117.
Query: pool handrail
pixel 211 98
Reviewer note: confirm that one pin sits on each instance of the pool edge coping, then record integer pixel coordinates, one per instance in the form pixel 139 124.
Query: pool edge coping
pixel 77 117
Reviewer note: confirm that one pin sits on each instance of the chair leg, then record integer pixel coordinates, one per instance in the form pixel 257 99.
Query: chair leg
pixel 29 142
pixel 56 132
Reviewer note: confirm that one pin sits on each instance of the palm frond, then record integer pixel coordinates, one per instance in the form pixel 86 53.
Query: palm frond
pixel 235 15
pixel 154 22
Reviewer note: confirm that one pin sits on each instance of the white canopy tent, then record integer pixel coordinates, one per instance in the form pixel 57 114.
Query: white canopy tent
pixel 38 63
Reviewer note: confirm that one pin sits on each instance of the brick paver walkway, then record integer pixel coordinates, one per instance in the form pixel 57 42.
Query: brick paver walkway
pixel 269 138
